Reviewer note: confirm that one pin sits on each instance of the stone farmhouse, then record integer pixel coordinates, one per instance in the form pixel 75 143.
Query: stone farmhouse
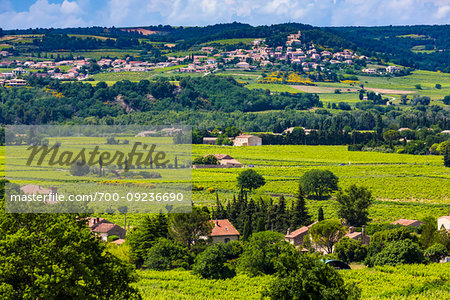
pixel 223 231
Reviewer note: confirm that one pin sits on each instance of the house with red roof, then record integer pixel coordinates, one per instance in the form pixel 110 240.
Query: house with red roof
pixel 296 237
pixel 358 236
pixel 223 232
pixel 104 228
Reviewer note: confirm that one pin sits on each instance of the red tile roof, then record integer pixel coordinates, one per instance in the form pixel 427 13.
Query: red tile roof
pixel 119 241
pixel 103 227
pixel 297 232
pixel 223 227
pixel 405 222
pixel 353 235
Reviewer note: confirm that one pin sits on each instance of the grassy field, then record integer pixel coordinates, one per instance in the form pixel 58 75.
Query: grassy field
pixel 273 87
pixel 430 282
pixel 112 77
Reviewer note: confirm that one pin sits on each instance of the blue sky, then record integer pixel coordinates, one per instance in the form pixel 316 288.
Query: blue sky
pixel 81 13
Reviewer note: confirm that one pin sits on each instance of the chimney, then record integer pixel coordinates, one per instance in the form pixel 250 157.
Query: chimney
pixel 351 229
pixel 288 231
pixel 364 230
pixel 98 220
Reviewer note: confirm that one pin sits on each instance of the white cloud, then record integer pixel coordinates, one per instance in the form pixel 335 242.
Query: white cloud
pixel 44 14
pixel 202 12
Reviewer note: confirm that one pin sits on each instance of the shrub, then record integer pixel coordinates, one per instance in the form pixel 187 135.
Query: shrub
pixel 438 86
pixel 211 264
pixel 165 255
pixel 210 190
pixel 79 168
pixel 399 252
pixel 302 276
pixel 112 238
pixel 349 250
pixel 198 187
pixel 435 253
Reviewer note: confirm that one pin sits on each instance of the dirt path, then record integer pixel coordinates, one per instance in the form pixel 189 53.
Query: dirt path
pixel 388 91
pixel 322 89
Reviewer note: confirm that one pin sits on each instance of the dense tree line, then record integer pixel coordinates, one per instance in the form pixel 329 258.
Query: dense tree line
pixel 78 100
pixel 250 216
pixel 51 42
pixel 395 43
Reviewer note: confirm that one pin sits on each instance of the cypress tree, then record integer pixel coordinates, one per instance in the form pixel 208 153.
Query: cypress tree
pixel 300 216
pixel 320 214
pixel 247 228
pixel 447 157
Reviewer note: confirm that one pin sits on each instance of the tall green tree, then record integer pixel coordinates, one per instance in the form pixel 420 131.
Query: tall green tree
pixel 145 235
pixel 353 205
pixel 320 216
pixel 319 182
pixel 188 228
pixel 326 234
pixel 300 216
pixel 55 256
pixel 250 180
pixel 261 251
pixel 429 232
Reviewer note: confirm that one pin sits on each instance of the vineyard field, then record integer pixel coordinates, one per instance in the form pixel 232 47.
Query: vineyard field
pixel 431 282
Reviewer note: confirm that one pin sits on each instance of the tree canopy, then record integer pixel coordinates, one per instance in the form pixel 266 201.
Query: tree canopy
pixel 319 182
pixel 250 180
pixel 353 205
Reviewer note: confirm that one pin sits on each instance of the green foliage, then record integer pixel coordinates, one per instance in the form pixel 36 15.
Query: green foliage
pixel 382 238
pixel 436 252
pixel 211 264
pixel 166 255
pixel 206 160
pixel 112 238
pixel 188 228
pixel 429 232
pixel 144 236
pixel 123 252
pixel 326 234
pixel 447 157
pixel 349 250
pixel 446 100
pixel 353 205
pixel 79 168
pixel 50 256
pixel 402 282
pixel 261 252
pixel 300 216
pixel 320 216
pixel 399 252
pixel 319 182
pixel 250 180
pixel 301 276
